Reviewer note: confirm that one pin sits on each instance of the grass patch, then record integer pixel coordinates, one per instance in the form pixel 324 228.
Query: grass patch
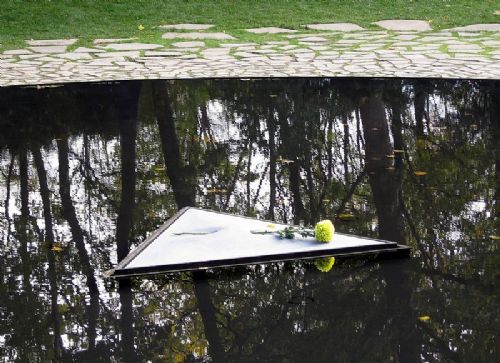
pixel 90 19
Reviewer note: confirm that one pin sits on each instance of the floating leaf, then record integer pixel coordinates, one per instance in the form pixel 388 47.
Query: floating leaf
pixel 56 248
pixel 424 318
pixel 495 237
pixel 420 173
pixel 284 161
pixel 421 143
pixel 346 216
pixel 216 190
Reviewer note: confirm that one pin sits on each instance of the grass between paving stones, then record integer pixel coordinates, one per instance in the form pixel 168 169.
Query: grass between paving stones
pixel 90 19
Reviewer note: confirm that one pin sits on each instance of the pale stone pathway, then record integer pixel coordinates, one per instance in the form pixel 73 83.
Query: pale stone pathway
pixel 398 49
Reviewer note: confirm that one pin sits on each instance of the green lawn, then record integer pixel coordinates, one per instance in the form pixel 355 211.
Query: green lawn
pixel 89 19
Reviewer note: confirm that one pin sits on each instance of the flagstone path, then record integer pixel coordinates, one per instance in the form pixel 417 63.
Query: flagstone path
pixel 396 49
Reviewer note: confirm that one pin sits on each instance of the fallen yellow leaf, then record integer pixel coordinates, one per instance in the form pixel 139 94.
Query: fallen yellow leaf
pixel 216 190
pixel 346 216
pixel 420 173
pixel 284 161
pixel 270 225
pixel 140 27
pixel 56 248
pixel 424 318
pixel 495 237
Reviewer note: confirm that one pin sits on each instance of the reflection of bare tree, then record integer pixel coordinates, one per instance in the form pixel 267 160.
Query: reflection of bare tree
pixel 208 315
pixel 49 240
pixel 419 105
pixel 181 175
pixel 69 213
pixel 495 123
pixel 184 191
pixel 271 127
pixel 384 182
pixel 128 132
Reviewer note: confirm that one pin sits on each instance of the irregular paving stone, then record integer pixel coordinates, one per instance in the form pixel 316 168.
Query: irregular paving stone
pixel 343 27
pixel 74 56
pixel 477 28
pixel 113 40
pixel 30 56
pixel 491 43
pixel 278 42
pixel 132 46
pixel 48 49
pixel 464 48
pixel 405 37
pixel 158 53
pixel 17 52
pixel 186 26
pixel 270 30
pixel 294 36
pixel 313 39
pixel 401 25
pixel 51 42
pixel 236 45
pixel 188 44
pixel 87 50
pixel 133 54
pixel 215 36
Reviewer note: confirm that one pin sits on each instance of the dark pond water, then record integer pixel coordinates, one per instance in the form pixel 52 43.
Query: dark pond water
pixel 88 171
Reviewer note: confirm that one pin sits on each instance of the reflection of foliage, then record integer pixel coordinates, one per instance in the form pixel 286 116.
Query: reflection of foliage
pixel 324 264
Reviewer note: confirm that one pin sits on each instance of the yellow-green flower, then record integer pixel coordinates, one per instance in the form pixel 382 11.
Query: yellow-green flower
pixel 324 264
pixel 324 230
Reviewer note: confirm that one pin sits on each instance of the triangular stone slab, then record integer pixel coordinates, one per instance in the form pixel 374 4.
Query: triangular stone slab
pixel 196 238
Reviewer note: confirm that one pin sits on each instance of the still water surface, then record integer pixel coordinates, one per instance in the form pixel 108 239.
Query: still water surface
pixel 87 171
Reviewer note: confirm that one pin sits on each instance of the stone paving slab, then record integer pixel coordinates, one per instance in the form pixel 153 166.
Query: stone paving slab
pixel 188 44
pixel 478 28
pixel 44 42
pixel 342 27
pixel 215 36
pixel 402 25
pixel 46 49
pixel 113 40
pixel 186 26
pixel 366 53
pixel 132 46
pixel 270 30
